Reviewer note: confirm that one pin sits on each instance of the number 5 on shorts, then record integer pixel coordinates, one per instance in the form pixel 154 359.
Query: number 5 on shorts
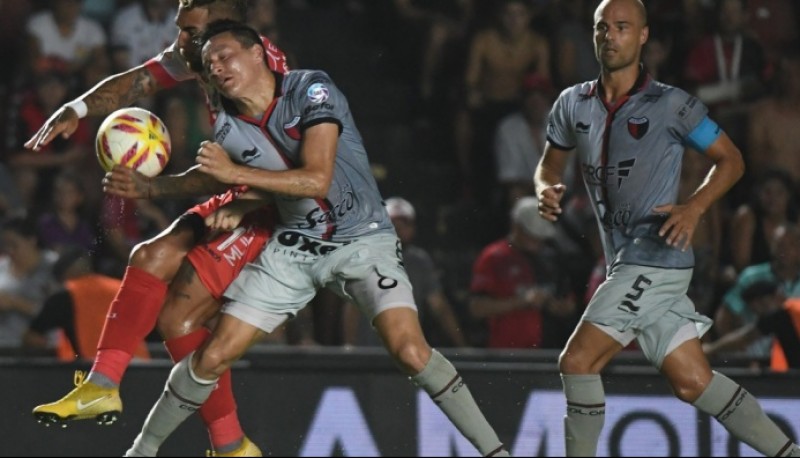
pixel 637 292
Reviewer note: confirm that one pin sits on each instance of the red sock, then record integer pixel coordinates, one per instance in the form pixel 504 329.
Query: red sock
pixel 219 411
pixel 131 317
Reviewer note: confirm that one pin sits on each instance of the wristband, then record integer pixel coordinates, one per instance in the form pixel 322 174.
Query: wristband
pixel 79 107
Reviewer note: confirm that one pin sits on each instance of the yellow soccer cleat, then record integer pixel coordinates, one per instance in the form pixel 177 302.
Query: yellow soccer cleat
pixel 86 401
pixel 248 448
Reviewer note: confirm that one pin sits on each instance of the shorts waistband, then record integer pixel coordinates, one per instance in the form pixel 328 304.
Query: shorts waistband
pixel 310 245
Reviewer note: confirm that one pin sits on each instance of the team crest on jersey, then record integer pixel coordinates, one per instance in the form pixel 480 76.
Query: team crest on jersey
pixel 637 127
pixel 318 93
pixel 291 128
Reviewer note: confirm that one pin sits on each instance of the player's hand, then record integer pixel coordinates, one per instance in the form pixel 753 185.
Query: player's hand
pixel 228 217
pixel 214 160
pixel 63 122
pixel 681 224
pixel 550 201
pixel 127 183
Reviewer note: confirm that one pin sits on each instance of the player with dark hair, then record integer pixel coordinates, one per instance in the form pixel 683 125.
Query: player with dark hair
pixel 154 263
pixel 630 133
pixel 293 135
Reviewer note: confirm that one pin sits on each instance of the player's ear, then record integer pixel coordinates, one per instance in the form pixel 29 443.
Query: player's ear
pixel 645 35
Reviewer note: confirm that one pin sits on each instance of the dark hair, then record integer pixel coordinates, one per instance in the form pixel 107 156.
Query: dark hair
pixel 244 34
pixel 759 289
pixel 236 8
pixel 20 225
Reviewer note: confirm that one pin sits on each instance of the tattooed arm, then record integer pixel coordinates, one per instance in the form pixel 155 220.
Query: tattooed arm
pixel 130 184
pixel 114 92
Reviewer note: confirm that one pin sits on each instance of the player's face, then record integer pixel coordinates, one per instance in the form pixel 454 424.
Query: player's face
pixel 230 67
pixel 619 34
pixel 191 24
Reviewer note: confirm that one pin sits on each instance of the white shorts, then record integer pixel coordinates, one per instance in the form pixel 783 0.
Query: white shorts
pixel 648 304
pixel 292 267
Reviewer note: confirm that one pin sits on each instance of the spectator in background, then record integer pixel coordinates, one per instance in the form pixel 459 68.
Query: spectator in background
pixel 774 23
pixel 499 58
pixel 516 285
pixel 263 17
pixel 783 269
pixel 11 203
pixel 439 323
pixel 26 279
pixel 778 318
pixel 61 31
pixel 520 138
pixel 574 61
pixel 77 311
pixel 773 136
pixel 50 90
pixel 66 225
pixel 140 31
pixel 772 205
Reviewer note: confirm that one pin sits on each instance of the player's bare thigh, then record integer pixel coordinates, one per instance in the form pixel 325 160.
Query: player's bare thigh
pixel 189 304
pixel 161 255
pixel 588 350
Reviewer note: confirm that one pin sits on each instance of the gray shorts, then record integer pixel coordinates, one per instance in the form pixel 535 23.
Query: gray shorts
pixel 648 304
pixel 292 267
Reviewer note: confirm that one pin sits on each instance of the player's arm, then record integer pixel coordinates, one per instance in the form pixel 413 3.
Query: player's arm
pixel 547 179
pixel 727 170
pixel 734 340
pixel 311 179
pixel 230 216
pixel 112 93
pixel 130 184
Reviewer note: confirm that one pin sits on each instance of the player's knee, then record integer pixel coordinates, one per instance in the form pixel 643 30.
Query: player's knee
pixel 688 389
pixel 411 355
pixel 571 362
pixel 159 257
pixel 171 325
pixel 214 361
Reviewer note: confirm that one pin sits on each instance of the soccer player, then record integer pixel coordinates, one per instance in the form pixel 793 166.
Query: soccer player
pixel 294 136
pixel 154 263
pixel 630 133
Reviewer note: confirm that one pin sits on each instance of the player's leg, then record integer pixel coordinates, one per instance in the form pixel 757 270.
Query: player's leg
pixel 384 295
pixel 430 370
pixel 194 298
pixel 131 317
pixel 688 372
pixel 192 381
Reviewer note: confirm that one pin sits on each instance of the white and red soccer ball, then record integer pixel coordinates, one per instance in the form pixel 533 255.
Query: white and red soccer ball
pixel 135 138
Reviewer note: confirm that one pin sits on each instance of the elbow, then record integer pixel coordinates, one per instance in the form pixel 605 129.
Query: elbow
pixel 319 187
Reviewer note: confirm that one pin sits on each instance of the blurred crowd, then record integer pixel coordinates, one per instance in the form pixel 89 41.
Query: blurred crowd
pixel 452 98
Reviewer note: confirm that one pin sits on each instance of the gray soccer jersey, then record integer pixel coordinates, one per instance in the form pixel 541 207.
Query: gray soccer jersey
pixel 353 206
pixel 630 158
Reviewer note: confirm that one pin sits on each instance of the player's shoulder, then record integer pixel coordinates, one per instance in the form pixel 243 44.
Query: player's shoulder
pixel 579 92
pixel 658 90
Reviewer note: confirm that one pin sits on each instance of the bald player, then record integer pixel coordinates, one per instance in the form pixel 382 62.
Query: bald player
pixel 630 133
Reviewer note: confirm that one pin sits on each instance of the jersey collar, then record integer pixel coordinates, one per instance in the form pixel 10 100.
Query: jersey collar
pixel 641 83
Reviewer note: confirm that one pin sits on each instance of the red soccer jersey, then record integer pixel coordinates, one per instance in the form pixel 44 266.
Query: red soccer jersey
pixel 502 272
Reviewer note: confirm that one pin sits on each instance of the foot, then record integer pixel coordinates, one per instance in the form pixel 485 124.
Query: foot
pixel 87 401
pixel 248 448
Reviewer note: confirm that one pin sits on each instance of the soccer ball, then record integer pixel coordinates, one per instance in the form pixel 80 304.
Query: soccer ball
pixel 135 138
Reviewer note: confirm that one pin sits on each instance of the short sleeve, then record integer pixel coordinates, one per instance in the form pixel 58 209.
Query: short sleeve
pixel 320 101
pixel 689 113
pixel 559 131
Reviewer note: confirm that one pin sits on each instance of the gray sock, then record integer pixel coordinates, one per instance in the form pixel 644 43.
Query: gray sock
pixel 740 413
pixel 586 413
pixel 445 386
pixel 183 395
pixel 101 380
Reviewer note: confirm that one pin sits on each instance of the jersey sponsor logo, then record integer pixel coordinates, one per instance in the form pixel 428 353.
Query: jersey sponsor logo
pixel 318 216
pixel 250 155
pixel 582 128
pixel 318 93
pixel 618 218
pixel 313 108
pixel 637 127
pixel 308 245
pixel 599 176
pixel 223 132
pixel 687 107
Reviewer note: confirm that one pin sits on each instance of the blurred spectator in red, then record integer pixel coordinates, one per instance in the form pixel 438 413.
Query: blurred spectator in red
pixel 515 285
pixel 31 110
pixel 774 23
